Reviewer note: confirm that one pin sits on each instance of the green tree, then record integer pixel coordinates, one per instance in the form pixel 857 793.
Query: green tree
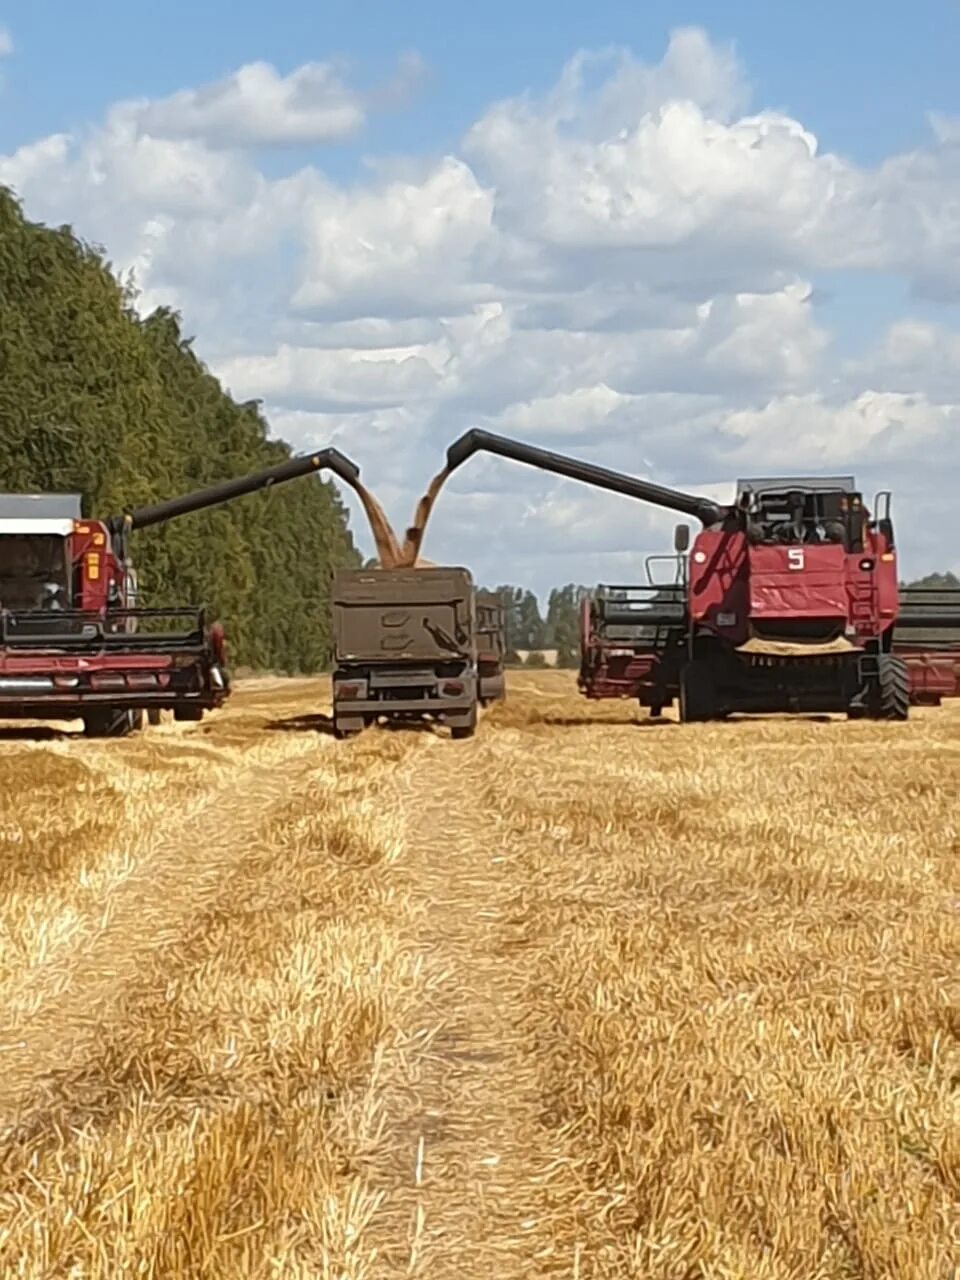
pixel 96 400
pixel 935 581
pixel 563 623
pixel 525 627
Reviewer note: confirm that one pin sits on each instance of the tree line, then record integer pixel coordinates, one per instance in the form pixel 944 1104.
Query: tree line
pixel 96 400
pixel 530 631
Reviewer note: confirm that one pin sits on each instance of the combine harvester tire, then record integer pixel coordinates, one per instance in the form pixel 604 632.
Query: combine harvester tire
pixel 110 723
pixel 698 699
pixel 465 726
pixel 893 688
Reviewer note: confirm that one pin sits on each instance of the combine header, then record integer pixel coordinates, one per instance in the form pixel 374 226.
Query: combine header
pixel 787 602
pixel 73 641
pixel 926 637
pixel 633 643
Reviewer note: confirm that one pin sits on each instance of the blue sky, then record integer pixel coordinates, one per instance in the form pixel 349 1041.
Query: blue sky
pixel 868 224
pixel 861 75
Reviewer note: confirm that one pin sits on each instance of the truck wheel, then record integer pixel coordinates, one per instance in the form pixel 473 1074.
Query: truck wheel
pixel 492 689
pixel 347 726
pixel 110 723
pixel 698 694
pixel 465 727
pixel 153 716
pixel 893 688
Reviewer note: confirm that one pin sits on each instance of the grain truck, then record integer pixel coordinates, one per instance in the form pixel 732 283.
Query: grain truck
pixel 405 648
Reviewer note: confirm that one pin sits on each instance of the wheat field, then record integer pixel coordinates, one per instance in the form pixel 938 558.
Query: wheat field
pixel 583 996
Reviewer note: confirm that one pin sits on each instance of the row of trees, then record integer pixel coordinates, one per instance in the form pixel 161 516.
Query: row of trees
pixel 934 580
pixel 98 401
pixel 528 629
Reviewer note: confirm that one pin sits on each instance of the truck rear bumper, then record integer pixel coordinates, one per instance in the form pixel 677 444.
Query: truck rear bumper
pixel 403 693
pixel 408 707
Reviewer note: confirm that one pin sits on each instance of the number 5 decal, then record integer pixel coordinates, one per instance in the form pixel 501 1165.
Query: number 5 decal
pixel 795 557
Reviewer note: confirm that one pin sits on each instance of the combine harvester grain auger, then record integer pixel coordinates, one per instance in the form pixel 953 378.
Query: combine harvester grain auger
pixel 787 601
pixel 73 642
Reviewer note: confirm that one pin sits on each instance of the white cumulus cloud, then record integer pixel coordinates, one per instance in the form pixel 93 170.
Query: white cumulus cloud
pixel 625 267
pixel 256 106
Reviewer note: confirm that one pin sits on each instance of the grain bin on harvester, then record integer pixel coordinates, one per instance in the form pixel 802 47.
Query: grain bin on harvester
pixel 73 641
pixel 787 602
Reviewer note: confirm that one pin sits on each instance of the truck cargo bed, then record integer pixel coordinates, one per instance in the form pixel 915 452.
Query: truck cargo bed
pixel 420 615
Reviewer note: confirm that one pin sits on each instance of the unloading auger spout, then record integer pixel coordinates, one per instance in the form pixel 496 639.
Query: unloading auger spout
pixel 707 512
pixel 324 459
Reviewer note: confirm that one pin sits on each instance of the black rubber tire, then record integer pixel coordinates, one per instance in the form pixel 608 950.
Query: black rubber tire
pixel 188 714
pixel 111 724
pixel 467 727
pixel 698 695
pixel 893 688
pixel 348 727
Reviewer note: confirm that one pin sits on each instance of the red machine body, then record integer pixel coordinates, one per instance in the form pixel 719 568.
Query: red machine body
pixel 787 601
pixel 74 641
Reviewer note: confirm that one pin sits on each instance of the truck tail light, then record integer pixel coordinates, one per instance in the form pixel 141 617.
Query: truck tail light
pixel 452 688
pixel 349 690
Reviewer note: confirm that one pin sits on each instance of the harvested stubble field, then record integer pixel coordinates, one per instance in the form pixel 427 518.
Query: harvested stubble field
pixel 580 997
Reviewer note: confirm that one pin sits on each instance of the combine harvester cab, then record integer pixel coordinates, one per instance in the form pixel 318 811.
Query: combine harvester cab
pixel 790 601
pixel 406 648
pixel 74 642
pixel 491 646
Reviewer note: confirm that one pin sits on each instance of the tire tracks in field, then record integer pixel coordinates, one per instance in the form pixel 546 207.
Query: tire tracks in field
pixel 188 857
pixel 467 1161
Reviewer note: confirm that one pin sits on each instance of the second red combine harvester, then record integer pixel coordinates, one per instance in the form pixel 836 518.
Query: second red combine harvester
pixel 788 601
pixel 75 644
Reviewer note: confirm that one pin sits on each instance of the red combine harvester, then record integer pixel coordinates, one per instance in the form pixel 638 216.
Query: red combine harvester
pixel 73 641
pixel 787 602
